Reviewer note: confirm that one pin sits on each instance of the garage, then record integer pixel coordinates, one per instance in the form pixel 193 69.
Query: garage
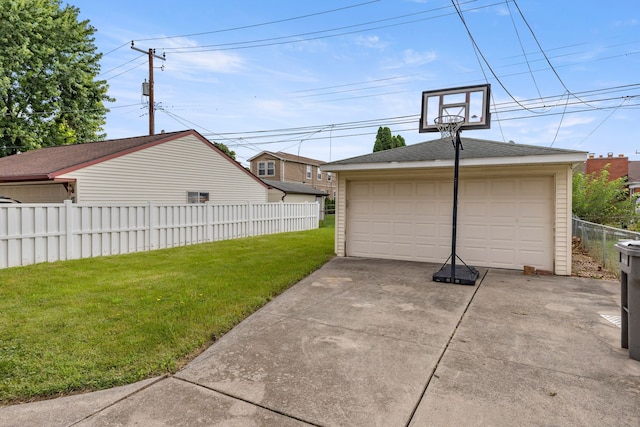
pixel 411 220
pixel 514 205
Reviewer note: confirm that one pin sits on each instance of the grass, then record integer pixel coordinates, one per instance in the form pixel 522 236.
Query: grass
pixel 95 323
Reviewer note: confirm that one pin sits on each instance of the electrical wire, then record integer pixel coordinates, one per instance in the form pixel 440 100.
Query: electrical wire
pixel 244 27
pixel 272 42
pixel 524 53
pixel 533 34
pixel 605 119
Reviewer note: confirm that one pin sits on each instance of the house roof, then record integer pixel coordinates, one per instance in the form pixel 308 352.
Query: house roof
pixel 441 153
pixel 289 157
pixel 294 187
pixel 46 163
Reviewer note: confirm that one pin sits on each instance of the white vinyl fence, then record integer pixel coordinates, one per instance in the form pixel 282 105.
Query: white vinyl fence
pixel 33 233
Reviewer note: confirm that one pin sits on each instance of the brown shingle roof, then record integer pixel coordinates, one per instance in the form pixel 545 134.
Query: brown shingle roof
pixel 47 162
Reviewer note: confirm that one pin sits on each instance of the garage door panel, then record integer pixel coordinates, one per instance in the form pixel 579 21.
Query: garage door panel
pixel 473 232
pixel 403 189
pixel 479 209
pixel 501 210
pixel 381 190
pixel 426 230
pixel 532 234
pixel 535 211
pixel 427 190
pixel 533 188
pixel 403 229
pixel 503 258
pixel 403 207
pixel 503 233
pixel 503 189
pixel 359 190
pixel 473 189
pixel 502 222
pixel 358 207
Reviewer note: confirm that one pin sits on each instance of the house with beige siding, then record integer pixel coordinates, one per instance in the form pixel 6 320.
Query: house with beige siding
pixel 173 167
pixel 514 204
pixel 286 167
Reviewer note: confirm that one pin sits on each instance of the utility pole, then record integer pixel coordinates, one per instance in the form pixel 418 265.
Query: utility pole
pixel 152 54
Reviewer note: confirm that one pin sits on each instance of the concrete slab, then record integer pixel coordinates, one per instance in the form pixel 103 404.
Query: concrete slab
pixel 535 351
pixel 357 335
pixel 393 299
pixel 174 403
pixel 66 411
pixel 473 390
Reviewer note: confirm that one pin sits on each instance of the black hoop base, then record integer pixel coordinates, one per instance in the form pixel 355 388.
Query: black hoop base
pixel 462 275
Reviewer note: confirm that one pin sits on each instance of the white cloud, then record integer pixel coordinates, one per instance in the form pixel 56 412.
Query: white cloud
pixel 632 22
pixel 502 11
pixel 371 42
pixel 201 61
pixel 411 57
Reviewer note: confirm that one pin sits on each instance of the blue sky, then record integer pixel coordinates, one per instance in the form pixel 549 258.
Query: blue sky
pixel 319 78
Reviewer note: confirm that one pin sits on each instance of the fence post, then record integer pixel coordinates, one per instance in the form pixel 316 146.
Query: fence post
pixel 604 248
pixel 249 219
pixel 68 207
pixel 208 223
pixel 281 217
pixel 150 240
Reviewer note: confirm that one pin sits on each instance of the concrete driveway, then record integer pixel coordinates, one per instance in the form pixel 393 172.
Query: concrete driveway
pixel 364 342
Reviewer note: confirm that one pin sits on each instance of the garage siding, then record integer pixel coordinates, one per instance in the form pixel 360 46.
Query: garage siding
pixel 503 222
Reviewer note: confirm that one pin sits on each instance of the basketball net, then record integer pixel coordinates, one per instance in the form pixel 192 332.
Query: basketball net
pixel 449 126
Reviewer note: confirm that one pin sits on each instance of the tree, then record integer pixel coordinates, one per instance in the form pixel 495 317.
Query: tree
pixel 49 94
pixel 385 141
pixel 603 201
pixel 220 146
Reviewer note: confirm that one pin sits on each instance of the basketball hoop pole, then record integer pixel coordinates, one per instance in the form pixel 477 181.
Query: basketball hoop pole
pixel 468 275
pixel 454 228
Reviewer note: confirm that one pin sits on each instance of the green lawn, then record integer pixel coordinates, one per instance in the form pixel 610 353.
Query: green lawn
pixel 95 323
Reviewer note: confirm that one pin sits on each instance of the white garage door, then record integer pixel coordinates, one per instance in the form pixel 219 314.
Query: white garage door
pixel 502 222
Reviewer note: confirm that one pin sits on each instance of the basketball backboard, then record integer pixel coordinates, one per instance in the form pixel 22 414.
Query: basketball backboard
pixel 470 102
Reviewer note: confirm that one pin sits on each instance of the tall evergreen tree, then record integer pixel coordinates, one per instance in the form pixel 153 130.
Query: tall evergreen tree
pixel 386 141
pixel 49 94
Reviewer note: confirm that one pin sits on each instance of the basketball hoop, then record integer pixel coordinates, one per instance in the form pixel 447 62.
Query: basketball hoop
pixel 449 126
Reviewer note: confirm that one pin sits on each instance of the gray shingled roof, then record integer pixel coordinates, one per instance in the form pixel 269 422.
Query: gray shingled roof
pixel 440 149
pixel 40 164
pixel 294 187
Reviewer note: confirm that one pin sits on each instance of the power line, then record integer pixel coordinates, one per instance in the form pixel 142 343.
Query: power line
pixel 244 27
pixel 271 41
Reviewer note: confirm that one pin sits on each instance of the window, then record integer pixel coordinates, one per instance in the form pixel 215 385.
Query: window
pixel 266 168
pixel 308 171
pixel 328 176
pixel 319 175
pixel 197 197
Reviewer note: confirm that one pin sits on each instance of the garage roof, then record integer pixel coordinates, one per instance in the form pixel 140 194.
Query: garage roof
pixel 294 187
pixel 440 153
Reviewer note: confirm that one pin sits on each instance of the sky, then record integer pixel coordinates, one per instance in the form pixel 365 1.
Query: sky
pixel 318 79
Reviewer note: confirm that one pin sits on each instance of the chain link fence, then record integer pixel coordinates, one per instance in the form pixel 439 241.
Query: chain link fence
pixel 599 240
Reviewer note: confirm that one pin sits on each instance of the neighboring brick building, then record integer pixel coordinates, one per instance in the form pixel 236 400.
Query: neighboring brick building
pixel 619 166
pixel 287 167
